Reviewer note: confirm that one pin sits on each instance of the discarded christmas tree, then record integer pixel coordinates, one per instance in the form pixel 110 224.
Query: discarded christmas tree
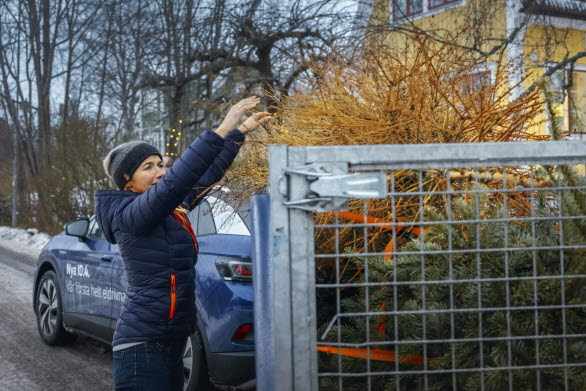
pixel 494 320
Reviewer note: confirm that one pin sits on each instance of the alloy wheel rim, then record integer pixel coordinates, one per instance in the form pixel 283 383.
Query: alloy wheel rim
pixel 47 307
pixel 187 362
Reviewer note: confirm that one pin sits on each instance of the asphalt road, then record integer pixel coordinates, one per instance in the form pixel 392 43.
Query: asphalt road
pixel 26 363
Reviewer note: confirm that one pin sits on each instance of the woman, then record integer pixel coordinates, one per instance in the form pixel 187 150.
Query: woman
pixel 159 248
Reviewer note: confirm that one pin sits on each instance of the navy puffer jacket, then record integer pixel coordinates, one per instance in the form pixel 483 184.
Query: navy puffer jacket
pixel 155 247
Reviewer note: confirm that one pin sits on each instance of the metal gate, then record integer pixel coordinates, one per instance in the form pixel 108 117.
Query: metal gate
pixel 424 267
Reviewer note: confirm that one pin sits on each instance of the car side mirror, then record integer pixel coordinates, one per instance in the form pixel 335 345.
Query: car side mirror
pixel 77 228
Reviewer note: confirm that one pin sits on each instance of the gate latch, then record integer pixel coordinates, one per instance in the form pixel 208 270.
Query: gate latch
pixel 325 187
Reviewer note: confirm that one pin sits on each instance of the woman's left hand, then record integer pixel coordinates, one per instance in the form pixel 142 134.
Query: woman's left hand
pixel 254 121
pixel 234 117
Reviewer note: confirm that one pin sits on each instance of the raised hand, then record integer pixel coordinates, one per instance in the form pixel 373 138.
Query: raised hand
pixel 234 117
pixel 254 121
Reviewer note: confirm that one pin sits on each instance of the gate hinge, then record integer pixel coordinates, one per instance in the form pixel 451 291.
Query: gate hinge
pixel 325 187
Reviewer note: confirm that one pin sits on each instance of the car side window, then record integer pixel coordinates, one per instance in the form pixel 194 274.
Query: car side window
pixel 95 232
pixel 193 218
pixel 205 224
pixel 244 214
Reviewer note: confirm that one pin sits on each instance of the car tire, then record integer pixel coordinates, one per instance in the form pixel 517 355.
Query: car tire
pixel 195 369
pixel 49 311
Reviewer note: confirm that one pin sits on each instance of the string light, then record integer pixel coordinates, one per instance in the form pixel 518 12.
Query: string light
pixel 177 138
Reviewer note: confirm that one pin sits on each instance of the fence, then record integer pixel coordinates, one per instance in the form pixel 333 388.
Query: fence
pixel 425 267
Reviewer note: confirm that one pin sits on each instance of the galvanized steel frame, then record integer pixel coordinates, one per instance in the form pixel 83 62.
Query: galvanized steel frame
pixel 293 338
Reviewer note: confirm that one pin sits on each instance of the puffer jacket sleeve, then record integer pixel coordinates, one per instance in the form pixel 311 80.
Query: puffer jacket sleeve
pixel 232 144
pixel 142 214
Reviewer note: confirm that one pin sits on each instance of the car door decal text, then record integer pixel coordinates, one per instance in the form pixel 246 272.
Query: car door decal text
pixel 76 274
pixel 80 270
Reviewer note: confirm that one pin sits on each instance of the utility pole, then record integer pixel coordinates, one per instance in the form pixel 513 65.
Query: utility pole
pixel 14 175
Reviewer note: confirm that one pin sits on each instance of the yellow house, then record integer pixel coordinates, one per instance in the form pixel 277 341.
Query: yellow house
pixel 540 37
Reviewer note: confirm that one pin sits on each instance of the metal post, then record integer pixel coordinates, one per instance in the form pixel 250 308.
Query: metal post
pixel 264 288
pixel 14 176
pixel 278 350
pixel 303 313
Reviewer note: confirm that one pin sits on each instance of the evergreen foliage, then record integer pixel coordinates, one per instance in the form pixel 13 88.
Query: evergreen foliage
pixel 508 281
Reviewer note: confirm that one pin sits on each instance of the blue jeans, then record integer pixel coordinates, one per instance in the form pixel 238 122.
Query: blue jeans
pixel 156 366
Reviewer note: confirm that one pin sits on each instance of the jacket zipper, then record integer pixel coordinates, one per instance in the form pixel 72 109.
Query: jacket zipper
pixel 173 298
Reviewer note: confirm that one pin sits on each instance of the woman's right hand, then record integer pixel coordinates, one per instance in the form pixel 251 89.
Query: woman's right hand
pixel 234 117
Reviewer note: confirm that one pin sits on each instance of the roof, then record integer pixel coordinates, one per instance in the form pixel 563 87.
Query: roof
pixel 573 9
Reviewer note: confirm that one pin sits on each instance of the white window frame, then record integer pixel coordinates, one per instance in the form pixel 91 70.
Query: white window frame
pixel 427 11
pixel 483 68
pixel 568 108
pixel 480 68
pixel 566 104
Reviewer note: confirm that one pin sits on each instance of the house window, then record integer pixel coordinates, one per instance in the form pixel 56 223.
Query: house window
pixel 577 106
pixel 558 96
pixel 404 8
pixel 569 103
pixel 439 3
pixel 476 82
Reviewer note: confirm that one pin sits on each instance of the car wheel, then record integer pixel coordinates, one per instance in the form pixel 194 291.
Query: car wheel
pixel 49 311
pixel 195 370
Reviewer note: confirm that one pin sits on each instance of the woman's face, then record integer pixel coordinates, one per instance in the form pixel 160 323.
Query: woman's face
pixel 146 175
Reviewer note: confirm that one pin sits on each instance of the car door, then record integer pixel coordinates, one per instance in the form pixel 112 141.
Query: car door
pixel 220 232
pixel 223 294
pixel 205 228
pixel 88 271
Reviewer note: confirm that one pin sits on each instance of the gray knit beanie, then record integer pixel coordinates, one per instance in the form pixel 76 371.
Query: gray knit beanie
pixel 125 159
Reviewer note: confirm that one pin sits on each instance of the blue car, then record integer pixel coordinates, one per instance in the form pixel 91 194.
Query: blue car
pixel 79 285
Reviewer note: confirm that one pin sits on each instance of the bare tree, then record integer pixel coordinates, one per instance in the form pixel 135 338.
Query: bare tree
pixel 44 43
pixel 91 67
pixel 79 34
pixel 211 49
pixel 43 22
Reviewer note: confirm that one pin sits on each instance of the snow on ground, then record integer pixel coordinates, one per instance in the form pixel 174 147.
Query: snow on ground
pixel 25 241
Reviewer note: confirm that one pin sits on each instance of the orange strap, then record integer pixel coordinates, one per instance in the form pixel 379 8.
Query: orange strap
pixel 181 217
pixel 374 354
pixel 358 218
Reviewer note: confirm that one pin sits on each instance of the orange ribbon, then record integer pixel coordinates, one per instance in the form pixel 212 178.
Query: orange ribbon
pixel 358 218
pixel 373 354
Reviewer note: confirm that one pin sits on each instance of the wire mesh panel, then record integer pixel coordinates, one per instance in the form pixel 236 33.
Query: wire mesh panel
pixel 467 273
